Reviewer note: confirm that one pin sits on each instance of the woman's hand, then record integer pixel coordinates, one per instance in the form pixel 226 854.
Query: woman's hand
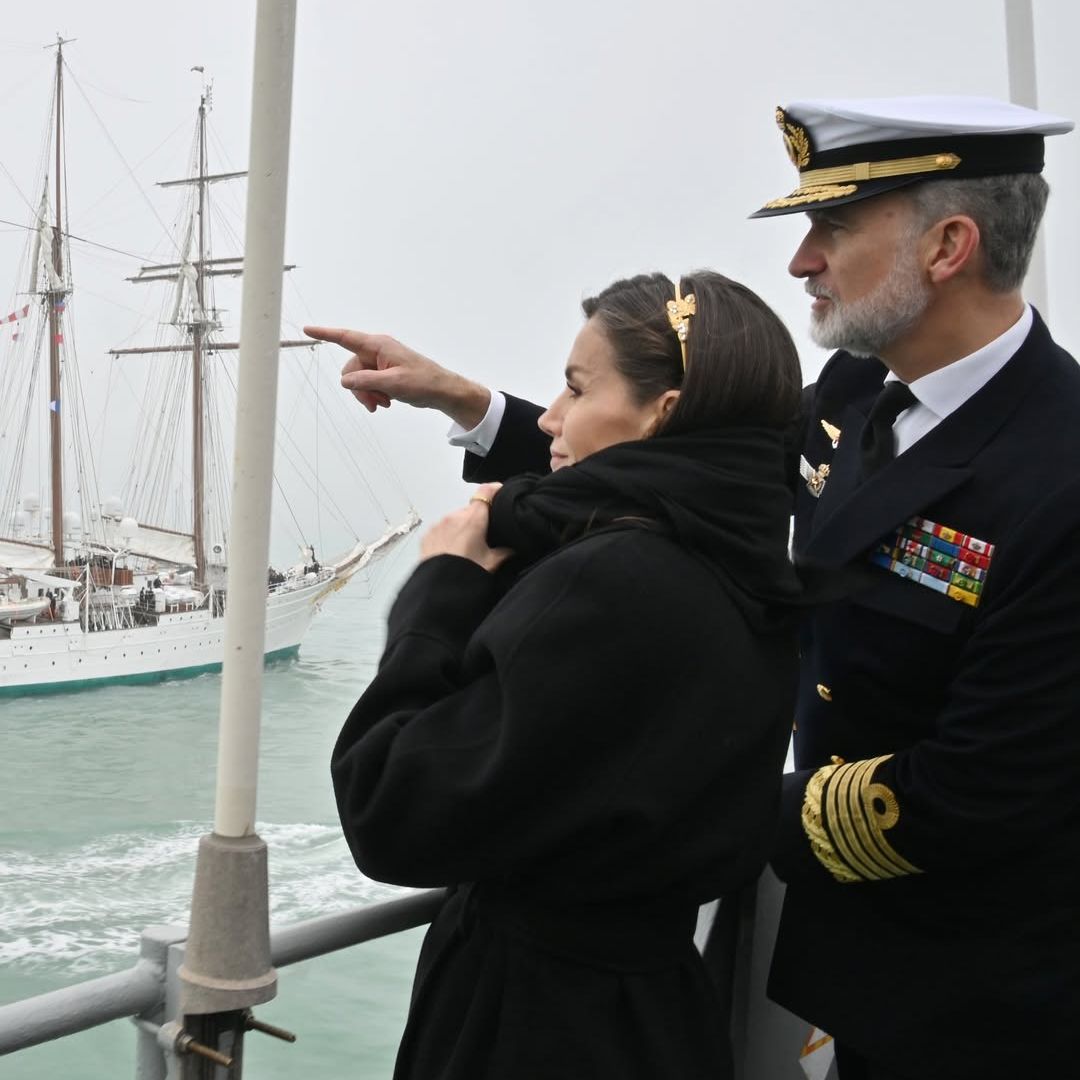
pixel 464 533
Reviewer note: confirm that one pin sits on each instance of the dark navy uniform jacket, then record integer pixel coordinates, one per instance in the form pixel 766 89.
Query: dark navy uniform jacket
pixel 930 835
pixel 931 831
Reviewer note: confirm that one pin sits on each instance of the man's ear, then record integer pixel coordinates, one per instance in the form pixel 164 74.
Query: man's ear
pixel 951 247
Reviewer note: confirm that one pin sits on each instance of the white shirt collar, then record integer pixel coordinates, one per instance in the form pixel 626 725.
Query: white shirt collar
pixel 945 390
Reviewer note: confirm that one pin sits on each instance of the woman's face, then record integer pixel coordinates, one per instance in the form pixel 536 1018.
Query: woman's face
pixel 597 408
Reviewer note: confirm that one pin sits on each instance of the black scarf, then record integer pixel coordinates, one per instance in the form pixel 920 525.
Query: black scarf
pixel 720 493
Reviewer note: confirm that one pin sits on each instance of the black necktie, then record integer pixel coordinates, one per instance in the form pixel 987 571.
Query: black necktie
pixel 878 447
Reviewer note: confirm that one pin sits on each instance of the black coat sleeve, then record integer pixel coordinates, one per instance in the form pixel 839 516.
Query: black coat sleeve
pixel 519 447
pixel 540 740
pixel 998 778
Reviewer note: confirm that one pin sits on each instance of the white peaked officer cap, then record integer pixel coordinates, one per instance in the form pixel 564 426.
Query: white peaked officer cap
pixel 851 149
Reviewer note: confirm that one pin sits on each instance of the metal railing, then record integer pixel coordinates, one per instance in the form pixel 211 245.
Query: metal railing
pixel 148 992
pixel 735 938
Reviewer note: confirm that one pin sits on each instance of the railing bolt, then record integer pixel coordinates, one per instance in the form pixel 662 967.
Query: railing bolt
pixel 173 1039
pixel 267 1029
pixel 185 1044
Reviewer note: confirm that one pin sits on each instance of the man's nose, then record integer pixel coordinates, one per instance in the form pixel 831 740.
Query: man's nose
pixel 807 260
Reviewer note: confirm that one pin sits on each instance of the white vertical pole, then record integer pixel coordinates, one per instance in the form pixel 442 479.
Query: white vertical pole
pixel 1024 90
pixel 249 533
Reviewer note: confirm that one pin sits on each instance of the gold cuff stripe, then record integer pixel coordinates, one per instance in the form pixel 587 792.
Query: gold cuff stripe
pixel 838 814
pixel 876 170
pixel 872 824
pixel 861 809
pixel 820 844
pixel 856 818
pixel 846 834
pixel 868 825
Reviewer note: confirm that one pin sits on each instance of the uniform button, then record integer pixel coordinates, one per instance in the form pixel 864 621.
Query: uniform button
pixel 824 692
pixel 836 759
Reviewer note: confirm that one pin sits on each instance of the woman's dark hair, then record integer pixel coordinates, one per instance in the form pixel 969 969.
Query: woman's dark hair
pixel 741 364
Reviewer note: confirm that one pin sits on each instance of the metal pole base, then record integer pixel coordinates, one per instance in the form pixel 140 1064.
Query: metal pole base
pixel 227 964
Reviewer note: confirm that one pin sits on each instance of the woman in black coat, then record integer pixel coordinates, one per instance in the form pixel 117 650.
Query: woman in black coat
pixel 580 719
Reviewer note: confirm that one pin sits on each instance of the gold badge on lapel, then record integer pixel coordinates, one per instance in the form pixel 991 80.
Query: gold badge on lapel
pixel 832 431
pixel 815 478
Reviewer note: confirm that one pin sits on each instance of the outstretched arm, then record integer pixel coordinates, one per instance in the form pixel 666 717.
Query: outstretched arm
pixel 382 370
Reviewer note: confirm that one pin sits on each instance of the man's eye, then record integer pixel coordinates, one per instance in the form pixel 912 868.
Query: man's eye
pixel 825 222
pixel 574 391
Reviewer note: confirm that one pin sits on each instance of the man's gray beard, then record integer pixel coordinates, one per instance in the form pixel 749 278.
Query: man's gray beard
pixel 868 326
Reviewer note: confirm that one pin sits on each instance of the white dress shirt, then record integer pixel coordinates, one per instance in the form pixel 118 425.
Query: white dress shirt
pixel 481 438
pixel 943 391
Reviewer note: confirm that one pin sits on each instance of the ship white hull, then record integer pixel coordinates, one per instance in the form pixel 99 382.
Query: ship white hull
pixel 46 657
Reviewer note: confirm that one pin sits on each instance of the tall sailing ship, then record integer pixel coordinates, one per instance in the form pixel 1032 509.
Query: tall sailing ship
pixel 108 592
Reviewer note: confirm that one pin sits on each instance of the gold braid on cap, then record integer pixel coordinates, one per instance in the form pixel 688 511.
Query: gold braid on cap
pixel 679 311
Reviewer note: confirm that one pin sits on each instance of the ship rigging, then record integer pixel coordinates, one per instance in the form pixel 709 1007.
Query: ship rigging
pixel 135 586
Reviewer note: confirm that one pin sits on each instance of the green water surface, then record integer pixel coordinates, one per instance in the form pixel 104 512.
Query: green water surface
pixel 103 795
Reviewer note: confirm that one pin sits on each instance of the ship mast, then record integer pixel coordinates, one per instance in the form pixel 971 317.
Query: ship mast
pixel 198 329
pixel 55 294
pixel 201 325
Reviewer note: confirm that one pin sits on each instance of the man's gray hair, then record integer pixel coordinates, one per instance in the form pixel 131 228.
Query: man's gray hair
pixel 1007 210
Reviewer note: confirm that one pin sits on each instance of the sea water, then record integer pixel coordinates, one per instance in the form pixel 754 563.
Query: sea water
pixel 103 797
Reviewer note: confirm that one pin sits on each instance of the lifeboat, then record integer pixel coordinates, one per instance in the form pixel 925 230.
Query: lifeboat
pixel 12 610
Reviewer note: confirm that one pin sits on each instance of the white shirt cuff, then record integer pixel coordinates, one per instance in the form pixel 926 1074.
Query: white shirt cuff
pixel 481 438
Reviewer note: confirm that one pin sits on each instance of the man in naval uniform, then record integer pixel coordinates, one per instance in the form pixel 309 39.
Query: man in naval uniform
pixel 930 834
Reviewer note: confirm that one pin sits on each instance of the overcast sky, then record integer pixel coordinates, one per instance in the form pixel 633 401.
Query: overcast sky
pixel 463 174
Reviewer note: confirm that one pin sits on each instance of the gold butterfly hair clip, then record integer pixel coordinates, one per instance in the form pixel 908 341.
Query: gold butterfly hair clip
pixel 679 311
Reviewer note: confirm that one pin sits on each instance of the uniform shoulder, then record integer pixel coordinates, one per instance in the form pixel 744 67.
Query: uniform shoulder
pixel 1049 405
pixel 845 377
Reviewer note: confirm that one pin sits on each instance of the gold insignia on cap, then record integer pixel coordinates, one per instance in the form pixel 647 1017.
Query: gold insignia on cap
pixel 812 195
pixel 813 179
pixel 796 139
